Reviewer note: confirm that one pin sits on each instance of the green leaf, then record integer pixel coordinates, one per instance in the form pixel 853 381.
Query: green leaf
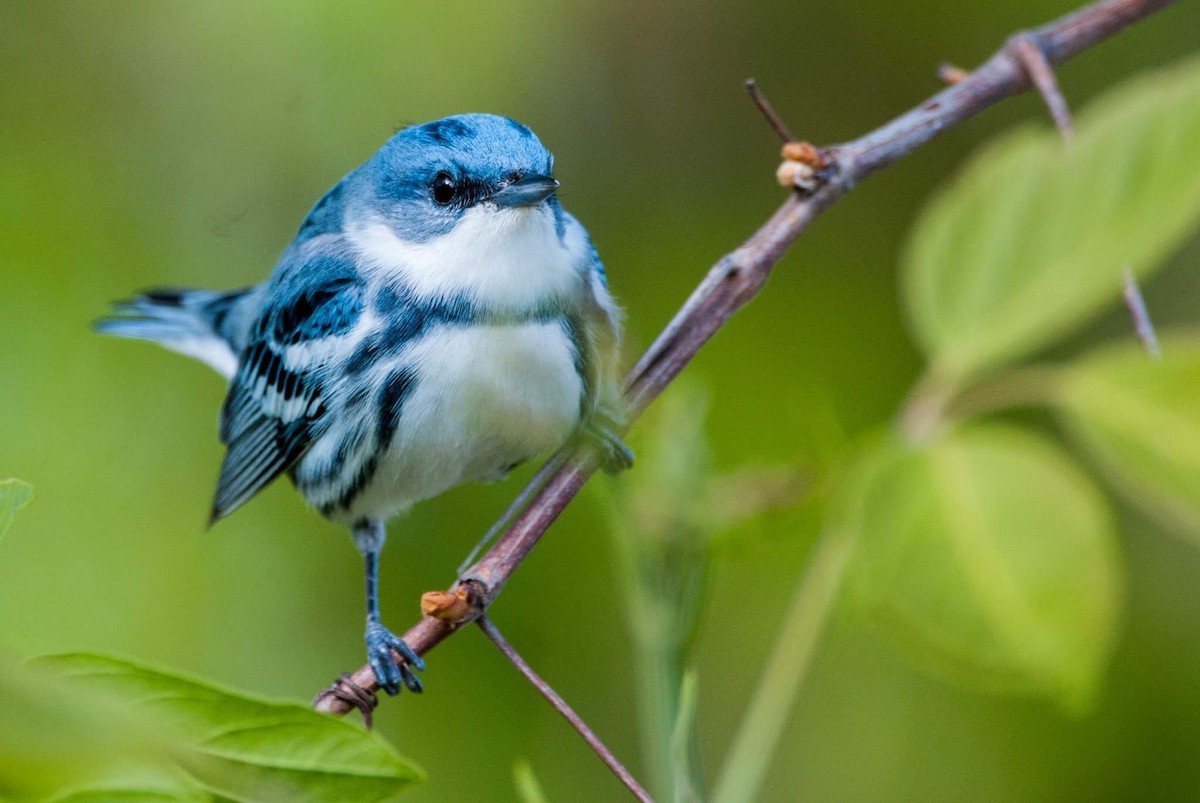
pixel 1140 418
pixel 526 783
pixel 14 495
pixel 1032 237
pixel 66 740
pixel 246 748
pixel 683 743
pixel 138 787
pixel 989 557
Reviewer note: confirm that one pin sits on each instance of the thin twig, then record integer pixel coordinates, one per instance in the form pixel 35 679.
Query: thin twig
pixel 739 275
pixel 560 705
pixel 768 111
pixel 1141 316
pixel 1026 51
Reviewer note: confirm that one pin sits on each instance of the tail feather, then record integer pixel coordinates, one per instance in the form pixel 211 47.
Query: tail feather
pixel 210 326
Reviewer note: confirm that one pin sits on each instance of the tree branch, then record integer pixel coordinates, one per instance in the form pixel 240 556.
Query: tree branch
pixel 739 276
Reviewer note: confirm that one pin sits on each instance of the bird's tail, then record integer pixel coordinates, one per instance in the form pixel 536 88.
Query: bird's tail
pixel 210 326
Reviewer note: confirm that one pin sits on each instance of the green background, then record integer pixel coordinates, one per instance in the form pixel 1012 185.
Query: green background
pixel 180 143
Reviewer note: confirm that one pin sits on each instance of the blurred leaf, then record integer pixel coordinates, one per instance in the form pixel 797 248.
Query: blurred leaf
pixel 72 740
pixel 663 549
pixel 136 788
pixel 1032 236
pixel 246 748
pixel 118 795
pixel 666 517
pixel 526 783
pixel 1141 419
pixel 757 738
pixel 683 743
pixel 109 794
pixel 988 555
pixel 14 495
pixel 750 492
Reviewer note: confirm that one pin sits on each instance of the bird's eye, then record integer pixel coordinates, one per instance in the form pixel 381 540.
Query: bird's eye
pixel 443 188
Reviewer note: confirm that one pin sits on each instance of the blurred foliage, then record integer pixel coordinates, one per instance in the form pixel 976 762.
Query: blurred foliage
pixel 184 740
pixel 988 553
pixel 665 520
pixel 526 784
pixel 14 495
pixel 179 143
pixel 1032 235
pixel 1138 417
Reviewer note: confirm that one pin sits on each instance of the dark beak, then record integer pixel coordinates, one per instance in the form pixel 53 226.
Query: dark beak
pixel 529 190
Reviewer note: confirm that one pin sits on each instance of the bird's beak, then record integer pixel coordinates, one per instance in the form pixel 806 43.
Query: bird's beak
pixel 529 190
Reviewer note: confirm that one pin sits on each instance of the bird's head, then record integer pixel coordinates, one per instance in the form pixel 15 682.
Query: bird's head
pixel 428 178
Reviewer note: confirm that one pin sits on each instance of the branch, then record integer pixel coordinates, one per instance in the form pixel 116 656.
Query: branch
pixel 568 713
pixel 739 276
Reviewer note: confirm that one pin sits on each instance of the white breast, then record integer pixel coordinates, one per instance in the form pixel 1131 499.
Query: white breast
pixel 506 259
pixel 486 397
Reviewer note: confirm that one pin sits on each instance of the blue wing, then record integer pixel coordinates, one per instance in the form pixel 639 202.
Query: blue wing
pixel 278 401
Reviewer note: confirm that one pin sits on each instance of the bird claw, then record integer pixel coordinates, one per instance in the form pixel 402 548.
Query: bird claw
pixel 382 644
pixel 601 431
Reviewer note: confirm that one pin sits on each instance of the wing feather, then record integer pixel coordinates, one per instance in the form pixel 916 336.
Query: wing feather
pixel 277 403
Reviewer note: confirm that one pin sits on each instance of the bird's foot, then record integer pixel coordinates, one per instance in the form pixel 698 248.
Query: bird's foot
pixel 390 674
pixel 601 431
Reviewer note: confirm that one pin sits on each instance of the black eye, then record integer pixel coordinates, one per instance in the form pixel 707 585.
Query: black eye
pixel 443 188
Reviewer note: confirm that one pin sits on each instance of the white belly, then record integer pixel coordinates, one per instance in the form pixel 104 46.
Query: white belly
pixel 486 398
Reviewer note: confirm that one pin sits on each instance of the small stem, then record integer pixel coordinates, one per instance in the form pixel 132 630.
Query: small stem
pixel 1033 61
pixel 560 705
pixel 1141 316
pixel 1029 386
pixel 768 111
pixel 760 729
pixel 924 409
pixel 935 401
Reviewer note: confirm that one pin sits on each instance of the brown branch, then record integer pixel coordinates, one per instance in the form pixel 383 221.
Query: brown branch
pixel 568 713
pixel 1042 74
pixel 768 112
pixel 739 275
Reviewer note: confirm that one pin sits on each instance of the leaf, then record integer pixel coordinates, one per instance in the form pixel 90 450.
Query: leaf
pixel 686 785
pixel 135 788
pixel 1032 236
pixel 989 557
pixel 14 495
pixel 526 783
pixel 245 748
pixel 75 745
pixel 1140 419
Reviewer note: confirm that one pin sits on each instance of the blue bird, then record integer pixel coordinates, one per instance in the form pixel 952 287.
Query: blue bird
pixel 438 319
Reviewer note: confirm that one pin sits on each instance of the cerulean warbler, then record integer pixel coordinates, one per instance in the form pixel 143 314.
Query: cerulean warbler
pixel 438 319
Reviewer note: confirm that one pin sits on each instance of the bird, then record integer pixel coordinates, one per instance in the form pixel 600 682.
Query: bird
pixel 438 319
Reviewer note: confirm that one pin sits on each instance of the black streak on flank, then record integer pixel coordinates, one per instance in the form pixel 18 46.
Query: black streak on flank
pixel 395 392
pixel 356 486
pixel 577 333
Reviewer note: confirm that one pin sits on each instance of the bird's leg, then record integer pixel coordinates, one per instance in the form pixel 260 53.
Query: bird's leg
pixel 369 536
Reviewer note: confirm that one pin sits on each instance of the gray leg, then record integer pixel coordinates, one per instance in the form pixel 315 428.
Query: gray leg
pixel 369 535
